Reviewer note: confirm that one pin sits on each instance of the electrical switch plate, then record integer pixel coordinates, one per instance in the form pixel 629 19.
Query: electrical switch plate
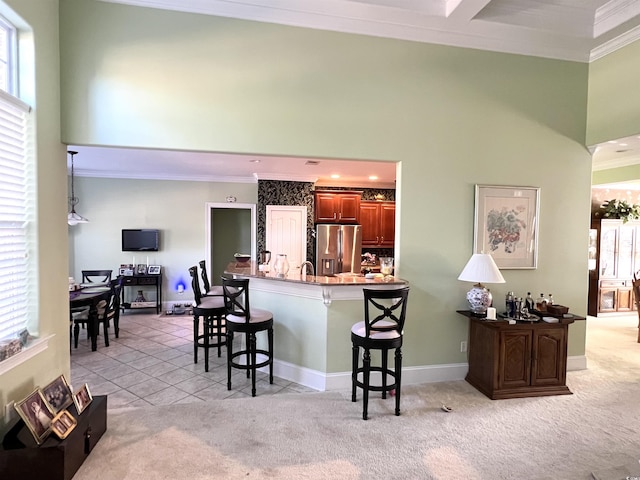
pixel 463 346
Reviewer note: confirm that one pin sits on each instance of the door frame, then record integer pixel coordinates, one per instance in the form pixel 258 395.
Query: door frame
pixel 209 206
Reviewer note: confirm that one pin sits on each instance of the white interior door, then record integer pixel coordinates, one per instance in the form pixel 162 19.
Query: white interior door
pixel 286 232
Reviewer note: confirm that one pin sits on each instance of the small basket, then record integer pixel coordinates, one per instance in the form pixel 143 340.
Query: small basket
pixel 557 309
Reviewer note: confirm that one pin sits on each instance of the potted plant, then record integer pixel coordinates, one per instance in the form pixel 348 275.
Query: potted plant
pixel 620 209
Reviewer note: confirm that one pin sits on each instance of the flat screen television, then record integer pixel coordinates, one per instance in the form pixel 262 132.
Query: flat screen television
pixel 141 240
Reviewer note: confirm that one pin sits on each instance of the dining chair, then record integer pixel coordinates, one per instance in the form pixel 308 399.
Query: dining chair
pixel 382 329
pixel 96 276
pixel 104 313
pixel 116 286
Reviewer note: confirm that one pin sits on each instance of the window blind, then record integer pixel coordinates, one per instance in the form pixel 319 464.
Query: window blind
pixel 14 216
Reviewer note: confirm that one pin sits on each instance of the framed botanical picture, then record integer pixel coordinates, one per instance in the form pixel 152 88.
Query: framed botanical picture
pixel 63 423
pixel 37 415
pixel 58 394
pixel 506 225
pixel 153 270
pixel 82 398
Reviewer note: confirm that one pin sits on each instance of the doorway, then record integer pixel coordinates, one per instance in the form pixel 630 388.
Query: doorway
pixel 230 228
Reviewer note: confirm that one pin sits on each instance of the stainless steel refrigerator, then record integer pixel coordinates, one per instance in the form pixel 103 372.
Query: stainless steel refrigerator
pixel 338 249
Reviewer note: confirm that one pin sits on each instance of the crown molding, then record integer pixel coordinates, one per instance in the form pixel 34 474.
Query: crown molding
pixel 615 43
pixel 615 163
pixel 387 22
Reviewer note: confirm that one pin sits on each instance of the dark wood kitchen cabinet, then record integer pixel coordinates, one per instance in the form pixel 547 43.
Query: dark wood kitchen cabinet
pixel 378 220
pixel 337 206
pixel 522 360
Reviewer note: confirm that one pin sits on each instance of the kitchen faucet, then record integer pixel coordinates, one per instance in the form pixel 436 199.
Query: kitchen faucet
pixel 304 268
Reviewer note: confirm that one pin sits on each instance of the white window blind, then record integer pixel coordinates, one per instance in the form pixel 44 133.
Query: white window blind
pixel 14 216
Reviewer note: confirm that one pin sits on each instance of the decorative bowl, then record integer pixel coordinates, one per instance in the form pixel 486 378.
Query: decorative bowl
pixel 242 257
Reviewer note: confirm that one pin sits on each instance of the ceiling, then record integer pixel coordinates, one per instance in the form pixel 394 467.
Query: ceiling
pixel 577 30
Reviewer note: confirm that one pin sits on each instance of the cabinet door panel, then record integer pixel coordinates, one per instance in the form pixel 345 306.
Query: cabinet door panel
pixel 608 251
pixel 625 299
pixel 325 208
pixel 549 346
pixel 515 359
pixel 387 224
pixel 369 222
pixel 349 210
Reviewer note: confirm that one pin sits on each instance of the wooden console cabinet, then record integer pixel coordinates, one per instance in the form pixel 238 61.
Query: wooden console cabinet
pixel 21 458
pixel 337 206
pixel 378 220
pixel 522 360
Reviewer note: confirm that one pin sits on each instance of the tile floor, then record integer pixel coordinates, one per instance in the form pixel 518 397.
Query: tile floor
pixel 152 364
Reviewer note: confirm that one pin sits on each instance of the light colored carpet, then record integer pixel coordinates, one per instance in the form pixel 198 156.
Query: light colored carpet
pixel 591 434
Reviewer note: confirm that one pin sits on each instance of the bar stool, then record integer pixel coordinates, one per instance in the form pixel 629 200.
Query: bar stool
pixel 212 311
pixel 242 318
pixel 384 316
pixel 209 290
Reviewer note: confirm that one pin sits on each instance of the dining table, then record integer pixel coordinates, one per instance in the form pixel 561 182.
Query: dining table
pixel 89 297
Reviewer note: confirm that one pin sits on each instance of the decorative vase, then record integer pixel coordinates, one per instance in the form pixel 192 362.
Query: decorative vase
pixel 140 297
pixel 282 265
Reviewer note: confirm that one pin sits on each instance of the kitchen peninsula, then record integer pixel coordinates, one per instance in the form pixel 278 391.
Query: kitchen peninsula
pixel 312 316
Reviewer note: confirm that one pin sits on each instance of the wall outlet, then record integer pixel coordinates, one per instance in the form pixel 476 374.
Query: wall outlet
pixel 9 412
pixel 463 346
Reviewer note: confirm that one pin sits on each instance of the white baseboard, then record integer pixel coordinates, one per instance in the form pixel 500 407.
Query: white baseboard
pixel 410 375
pixel 577 362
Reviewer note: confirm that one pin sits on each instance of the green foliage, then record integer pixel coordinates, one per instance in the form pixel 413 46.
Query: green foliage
pixel 620 209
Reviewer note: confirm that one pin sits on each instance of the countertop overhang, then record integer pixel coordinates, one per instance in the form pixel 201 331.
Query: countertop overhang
pixel 339 287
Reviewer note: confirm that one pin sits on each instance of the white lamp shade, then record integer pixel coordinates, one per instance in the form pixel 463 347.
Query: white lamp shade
pixel 481 269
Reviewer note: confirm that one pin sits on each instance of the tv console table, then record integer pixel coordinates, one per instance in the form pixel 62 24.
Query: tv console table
pixel 142 281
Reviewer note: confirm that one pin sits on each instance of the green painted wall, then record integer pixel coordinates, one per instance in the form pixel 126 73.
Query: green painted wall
pixel 614 98
pixel 452 117
pixel 176 208
pixel 615 175
pixel 37 21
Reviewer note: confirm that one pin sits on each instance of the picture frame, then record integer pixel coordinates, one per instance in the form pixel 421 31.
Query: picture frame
pixel 63 424
pixel 36 414
pixel 58 394
pixel 154 270
pixel 82 398
pixel 141 269
pixel 506 223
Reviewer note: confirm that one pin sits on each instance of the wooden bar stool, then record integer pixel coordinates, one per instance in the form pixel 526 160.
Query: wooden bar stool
pixel 243 319
pixel 209 290
pixel 384 315
pixel 212 311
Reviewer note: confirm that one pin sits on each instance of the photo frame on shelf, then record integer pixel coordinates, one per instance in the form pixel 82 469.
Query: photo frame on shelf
pixel 154 270
pixel 63 424
pixel 141 269
pixel 506 225
pixel 82 398
pixel 36 414
pixel 58 394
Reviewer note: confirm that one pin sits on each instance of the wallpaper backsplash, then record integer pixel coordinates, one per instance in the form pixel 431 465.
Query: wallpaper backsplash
pixel 275 192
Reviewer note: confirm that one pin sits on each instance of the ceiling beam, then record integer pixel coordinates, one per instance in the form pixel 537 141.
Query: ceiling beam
pixel 464 10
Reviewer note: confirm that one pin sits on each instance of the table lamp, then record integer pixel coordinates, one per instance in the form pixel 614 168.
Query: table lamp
pixel 480 268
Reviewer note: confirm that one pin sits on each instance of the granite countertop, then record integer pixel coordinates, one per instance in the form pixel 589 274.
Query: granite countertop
pixel 250 269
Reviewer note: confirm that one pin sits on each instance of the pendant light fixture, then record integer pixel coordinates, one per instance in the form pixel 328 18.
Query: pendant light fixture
pixel 73 218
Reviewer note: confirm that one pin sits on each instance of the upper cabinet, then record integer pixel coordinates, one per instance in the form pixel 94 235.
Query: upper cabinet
pixel 378 221
pixel 337 206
